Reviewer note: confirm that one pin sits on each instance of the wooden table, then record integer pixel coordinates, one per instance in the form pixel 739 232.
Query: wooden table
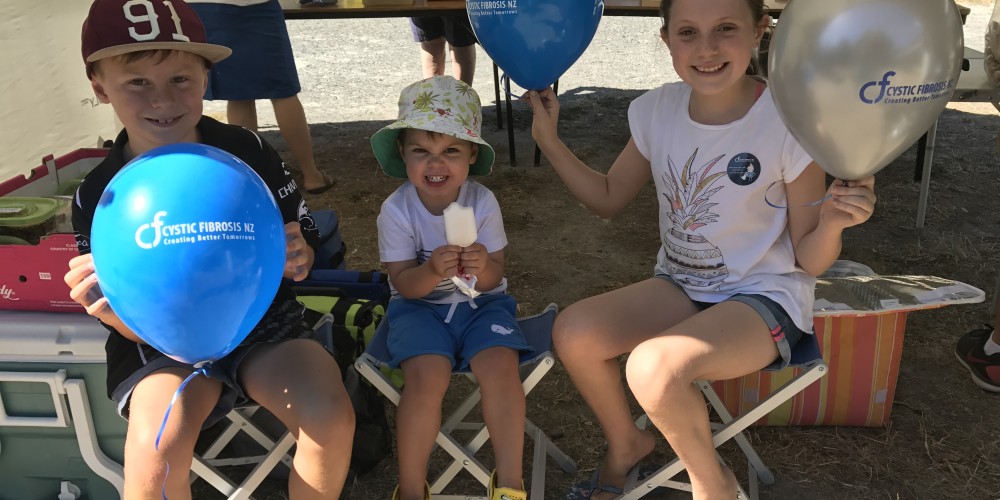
pixel 356 9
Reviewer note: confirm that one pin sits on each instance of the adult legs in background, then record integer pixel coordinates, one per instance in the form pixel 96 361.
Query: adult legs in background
pixel 262 66
pixel 463 59
pixel 291 118
pixel 440 35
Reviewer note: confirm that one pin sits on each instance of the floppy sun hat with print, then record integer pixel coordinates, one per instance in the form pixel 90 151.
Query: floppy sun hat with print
pixel 117 27
pixel 439 104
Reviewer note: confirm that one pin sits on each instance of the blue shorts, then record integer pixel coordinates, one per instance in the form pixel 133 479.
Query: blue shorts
pixel 455 29
pixel 262 65
pixel 417 327
pixel 783 330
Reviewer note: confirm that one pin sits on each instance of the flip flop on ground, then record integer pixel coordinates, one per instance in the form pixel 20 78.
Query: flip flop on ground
pixel 327 184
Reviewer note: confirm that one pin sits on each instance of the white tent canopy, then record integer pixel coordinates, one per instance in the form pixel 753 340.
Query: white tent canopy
pixel 46 103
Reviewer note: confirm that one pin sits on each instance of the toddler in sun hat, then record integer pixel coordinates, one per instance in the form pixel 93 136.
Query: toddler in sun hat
pixel 438 104
pixel 449 307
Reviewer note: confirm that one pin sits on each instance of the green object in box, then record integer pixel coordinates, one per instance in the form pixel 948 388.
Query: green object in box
pixel 12 240
pixel 68 188
pixel 27 218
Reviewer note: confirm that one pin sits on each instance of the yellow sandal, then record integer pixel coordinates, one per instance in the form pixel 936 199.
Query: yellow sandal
pixel 505 493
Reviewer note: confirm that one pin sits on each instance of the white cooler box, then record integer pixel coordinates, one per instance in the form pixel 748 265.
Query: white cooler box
pixel 60 437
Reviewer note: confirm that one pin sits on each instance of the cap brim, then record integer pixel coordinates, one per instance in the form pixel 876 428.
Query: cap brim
pixel 387 152
pixel 212 52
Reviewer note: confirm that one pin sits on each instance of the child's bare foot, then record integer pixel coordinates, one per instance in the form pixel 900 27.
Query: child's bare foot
pixel 618 463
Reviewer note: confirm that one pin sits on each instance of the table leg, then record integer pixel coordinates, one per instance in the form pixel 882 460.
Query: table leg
pixel 921 150
pixel 510 126
pixel 925 177
pixel 496 95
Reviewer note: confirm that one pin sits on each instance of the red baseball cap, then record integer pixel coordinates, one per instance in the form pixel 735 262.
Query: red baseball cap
pixel 116 27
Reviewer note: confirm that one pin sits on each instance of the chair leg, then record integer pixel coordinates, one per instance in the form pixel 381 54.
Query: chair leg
pixel 537 487
pixel 753 458
pixel 731 428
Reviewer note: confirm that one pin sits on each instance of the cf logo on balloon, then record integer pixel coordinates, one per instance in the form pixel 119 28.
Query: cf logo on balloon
pixel 881 93
pixel 156 225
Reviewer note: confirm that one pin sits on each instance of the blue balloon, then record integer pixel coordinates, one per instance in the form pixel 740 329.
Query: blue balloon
pixel 189 249
pixel 535 41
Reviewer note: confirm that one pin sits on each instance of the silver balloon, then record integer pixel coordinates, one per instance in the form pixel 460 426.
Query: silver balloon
pixel 859 81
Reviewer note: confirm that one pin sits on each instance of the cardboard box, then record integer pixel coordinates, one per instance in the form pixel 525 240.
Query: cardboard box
pixel 863 354
pixel 859 325
pixel 57 426
pixel 31 276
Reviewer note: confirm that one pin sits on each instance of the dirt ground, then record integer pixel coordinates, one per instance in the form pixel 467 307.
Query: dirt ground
pixel 943 439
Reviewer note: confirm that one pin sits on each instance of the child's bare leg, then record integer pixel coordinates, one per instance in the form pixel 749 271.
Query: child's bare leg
pixel 590 335
pixel 418 419
pixel 145 467
pixel 299 382
pixel 432 57
pixel 726 341
pixel 242 114
pixel 463 63
pixel 503 410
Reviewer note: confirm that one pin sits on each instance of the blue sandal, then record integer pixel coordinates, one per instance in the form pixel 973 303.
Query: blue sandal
pixel 584 490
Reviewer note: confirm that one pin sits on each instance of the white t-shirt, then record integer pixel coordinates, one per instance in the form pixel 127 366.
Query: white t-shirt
pixel 719 235
pixel 408 231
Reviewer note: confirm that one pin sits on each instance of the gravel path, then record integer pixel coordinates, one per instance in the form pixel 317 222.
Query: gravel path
pixel 353 69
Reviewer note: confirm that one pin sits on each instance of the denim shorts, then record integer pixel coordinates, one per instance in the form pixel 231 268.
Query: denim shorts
pixel 417 327
pixel 783 330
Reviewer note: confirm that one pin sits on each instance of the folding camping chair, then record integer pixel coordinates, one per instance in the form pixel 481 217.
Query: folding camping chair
pixel 806 358
pixel 538 332
pixel 272 451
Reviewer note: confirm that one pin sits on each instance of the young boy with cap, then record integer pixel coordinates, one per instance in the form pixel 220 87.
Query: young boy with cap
pixel 148 59
pixel 435 324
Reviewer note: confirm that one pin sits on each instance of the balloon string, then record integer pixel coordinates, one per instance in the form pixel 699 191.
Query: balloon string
pixel 200 368
pixel 810 204
pixel 505 83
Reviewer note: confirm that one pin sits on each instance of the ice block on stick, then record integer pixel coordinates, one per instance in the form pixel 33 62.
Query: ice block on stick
pixel 459 225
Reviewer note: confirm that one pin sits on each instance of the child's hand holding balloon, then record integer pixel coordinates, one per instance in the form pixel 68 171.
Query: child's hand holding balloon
pixel 849 202
pixel 298 254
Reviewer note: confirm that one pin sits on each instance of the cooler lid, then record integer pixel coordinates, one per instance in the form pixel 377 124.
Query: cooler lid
pixel 43 337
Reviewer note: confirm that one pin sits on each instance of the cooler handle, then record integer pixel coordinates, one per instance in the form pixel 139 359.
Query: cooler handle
pixel 55 382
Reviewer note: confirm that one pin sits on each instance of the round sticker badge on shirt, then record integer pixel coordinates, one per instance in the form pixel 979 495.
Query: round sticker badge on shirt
pixel 743 169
